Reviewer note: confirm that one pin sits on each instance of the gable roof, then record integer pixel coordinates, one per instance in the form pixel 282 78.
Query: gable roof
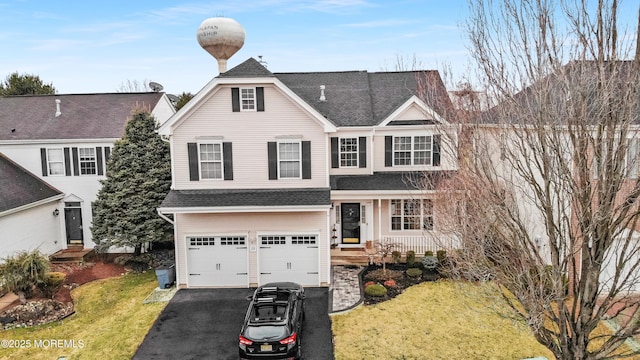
pixel 361 98
pixel 83 116
pixel 19 187
pixel 249 68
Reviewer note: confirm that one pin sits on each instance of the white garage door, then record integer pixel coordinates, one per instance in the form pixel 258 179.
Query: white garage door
pixel 289 258
pixel 217 261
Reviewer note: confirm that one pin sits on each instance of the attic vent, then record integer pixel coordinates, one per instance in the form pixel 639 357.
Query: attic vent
pixel 58 113
pixel 322 97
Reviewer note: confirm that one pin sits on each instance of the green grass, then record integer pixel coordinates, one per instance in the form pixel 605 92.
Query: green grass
pixel 434 320
pixel 110 322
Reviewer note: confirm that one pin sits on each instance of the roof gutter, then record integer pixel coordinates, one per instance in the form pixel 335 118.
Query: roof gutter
pixel 163 216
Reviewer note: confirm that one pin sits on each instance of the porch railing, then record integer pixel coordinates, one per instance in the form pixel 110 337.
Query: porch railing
pixel 420 244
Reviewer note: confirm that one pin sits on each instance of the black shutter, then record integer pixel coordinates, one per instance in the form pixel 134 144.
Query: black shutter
pixel 235 99
pixel 436 151
pixel 43 161
pixel 76 162
pixel 107 154
pixel 260 98
pixel 388 151
pixel 99 160
pixel 335 160
pixel 227 154
pixel 194 172
pixel 362 152
pixel 67 162
pixel 272 152
pixel 306 159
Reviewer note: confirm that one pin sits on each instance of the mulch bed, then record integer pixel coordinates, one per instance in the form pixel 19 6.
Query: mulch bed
pixel 398 272
pixel 40 310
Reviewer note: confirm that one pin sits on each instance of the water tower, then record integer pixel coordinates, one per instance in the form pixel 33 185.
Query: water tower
pixel 221 37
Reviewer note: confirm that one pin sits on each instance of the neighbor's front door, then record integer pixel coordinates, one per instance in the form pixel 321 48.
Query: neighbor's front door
pixel 350 223
pixel 73 223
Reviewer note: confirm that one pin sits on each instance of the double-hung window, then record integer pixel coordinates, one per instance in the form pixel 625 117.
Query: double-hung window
pixel 411 214
pixel 87 158
pixel 55 161
pixel 412 150
pixel 348 152
pixel 248 99
pixel 210 158
pixel 289 159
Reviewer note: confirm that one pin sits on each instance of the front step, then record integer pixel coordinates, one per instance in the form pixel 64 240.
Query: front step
pixel 73 254
pixel 349 256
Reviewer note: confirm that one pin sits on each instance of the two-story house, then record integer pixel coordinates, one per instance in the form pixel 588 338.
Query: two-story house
pixel 66 140
pixel 272 169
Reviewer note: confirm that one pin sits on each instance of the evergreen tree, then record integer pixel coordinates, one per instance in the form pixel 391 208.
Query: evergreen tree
pixel 138 179
pixel 25 84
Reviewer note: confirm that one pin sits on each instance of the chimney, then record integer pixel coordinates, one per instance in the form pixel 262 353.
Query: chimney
pixel 322 97
pixel 58 113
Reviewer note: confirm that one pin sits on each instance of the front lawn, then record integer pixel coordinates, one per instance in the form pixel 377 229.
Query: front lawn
pixel 433 320
pixel 110 322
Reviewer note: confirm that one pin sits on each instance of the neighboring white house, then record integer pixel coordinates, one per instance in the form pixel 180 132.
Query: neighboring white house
pixel 65 140
pixel 28 211
pixel 271 169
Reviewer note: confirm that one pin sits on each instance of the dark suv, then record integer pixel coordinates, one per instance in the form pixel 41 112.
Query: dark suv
pixel 273 322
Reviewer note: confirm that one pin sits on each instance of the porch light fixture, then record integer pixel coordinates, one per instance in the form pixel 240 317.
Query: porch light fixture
pixel 56 212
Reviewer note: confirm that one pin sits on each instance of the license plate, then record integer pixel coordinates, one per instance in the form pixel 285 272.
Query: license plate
pixel 266 347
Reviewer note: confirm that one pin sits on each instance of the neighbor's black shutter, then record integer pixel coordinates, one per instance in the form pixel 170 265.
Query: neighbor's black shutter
pixel 227 154
pixel 306 159
pixel 272 153
pixel 436 151
pixel 235 99
pixel 99 160
pixel 194 172
pixel 107 154
pixel 67 162
pixel 260 98
pixel 43 161
pixel 335 160
pixel 76 162
pixel 388 151
pixel 362 152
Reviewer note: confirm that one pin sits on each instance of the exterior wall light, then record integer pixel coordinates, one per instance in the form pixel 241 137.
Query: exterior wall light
pixel 56 212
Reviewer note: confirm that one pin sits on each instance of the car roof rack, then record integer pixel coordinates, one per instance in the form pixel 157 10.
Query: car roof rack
pixel 264 300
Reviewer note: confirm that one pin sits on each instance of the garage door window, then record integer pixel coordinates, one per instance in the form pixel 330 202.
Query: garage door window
pixel 273 240
pixel 232 240
pixel 303 240
pixel 202 241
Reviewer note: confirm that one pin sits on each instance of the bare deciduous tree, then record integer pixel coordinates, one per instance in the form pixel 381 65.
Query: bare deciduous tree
pixel 549 177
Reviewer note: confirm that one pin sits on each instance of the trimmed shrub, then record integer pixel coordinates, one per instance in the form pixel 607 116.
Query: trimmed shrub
pixel 411 258
pixel 428 253
pixel 441 255
pixel 418 265
pixel 414 273
pixel 396 255
pixel 52 283
pixel 390 283
pixel 375 290
pixel 430 262
pixel 23 272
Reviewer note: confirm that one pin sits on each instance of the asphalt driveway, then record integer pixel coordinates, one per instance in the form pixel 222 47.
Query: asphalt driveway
pixel 204 324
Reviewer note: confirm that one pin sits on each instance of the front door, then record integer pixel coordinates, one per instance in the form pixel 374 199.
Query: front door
pixel 350 223
pixel 73 223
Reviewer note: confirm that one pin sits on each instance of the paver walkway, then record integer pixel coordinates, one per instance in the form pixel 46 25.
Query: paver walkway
pixel 345 287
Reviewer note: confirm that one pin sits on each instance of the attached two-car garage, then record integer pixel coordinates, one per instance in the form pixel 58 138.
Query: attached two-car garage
pixel 224 260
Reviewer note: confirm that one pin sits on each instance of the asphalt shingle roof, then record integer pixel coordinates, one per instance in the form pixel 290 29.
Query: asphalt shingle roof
pixel 246 197
pixel 19 187
pixel 83 116
pixel 415 180
pixel 357 98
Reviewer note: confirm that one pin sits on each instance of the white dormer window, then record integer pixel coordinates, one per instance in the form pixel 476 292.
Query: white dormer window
pixel 412 150
pixel 348 152
pixel 248 99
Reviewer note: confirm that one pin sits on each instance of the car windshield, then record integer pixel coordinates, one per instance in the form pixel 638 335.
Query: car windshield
pixel 265 332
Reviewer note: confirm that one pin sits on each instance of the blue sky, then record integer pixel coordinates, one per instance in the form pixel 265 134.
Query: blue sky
pixel 86 46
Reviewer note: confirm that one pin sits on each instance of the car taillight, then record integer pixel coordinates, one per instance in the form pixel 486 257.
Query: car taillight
pixel 290 340
pixel 245 341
